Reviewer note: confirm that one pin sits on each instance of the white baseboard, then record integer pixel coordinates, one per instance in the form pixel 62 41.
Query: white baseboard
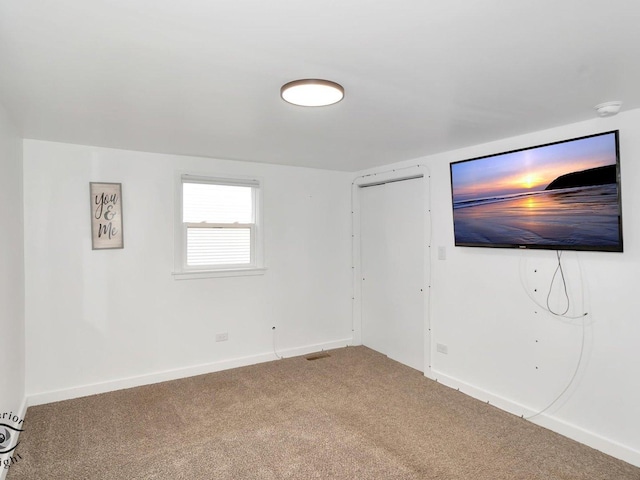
pixel 21 413
pixel 23 407
pixel 593 440
pixel 157 377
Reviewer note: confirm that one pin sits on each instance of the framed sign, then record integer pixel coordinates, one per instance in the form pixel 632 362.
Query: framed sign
pixel 106 215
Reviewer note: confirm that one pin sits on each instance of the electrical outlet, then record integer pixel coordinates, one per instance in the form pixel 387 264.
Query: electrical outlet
pixel 222 337
pixel 442 348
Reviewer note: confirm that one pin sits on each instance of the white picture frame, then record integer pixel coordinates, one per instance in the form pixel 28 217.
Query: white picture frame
pixel 106 215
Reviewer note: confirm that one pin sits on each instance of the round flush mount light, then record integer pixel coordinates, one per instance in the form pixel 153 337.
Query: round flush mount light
pixel 311 92
pixel 608 109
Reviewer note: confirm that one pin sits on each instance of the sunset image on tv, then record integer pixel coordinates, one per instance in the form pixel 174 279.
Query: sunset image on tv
pixel 561 196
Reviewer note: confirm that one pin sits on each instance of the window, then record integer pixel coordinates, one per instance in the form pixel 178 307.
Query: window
pixel 219 230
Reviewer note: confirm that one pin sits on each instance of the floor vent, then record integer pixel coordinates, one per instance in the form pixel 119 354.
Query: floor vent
pixel 317 356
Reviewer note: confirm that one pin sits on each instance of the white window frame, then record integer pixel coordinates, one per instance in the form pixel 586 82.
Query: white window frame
pixel 256 266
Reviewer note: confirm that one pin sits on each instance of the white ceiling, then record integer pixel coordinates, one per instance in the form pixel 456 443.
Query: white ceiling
pixel 202 77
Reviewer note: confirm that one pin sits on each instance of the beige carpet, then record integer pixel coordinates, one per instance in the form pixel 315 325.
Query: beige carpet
pixel 353 415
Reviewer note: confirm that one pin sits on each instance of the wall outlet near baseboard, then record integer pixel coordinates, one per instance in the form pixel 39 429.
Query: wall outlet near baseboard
pixel 442 348
pixel 222 337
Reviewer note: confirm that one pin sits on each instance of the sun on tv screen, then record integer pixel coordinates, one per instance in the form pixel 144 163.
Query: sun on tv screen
pixel 559 196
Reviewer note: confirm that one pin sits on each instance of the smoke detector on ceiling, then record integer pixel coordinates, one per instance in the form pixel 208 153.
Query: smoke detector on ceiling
pixel 608 109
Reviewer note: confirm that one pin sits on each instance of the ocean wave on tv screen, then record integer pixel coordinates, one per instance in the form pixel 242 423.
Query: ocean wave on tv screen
pixel 580 216
pixel 493 199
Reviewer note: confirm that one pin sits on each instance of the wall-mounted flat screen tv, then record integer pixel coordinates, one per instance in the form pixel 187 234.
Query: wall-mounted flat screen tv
pixel 560 196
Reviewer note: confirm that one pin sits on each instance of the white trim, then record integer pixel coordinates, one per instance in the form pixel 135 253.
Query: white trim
pixel 177 373
pixel 574 432
pixel 23 407
pixel 237 272
pixel 218 225
pixel 378 178
pixel 230 180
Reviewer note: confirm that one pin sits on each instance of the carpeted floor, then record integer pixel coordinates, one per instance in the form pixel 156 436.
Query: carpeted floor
pixel 352 415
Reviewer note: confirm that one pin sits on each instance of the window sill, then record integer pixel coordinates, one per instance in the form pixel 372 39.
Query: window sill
pixel 235 272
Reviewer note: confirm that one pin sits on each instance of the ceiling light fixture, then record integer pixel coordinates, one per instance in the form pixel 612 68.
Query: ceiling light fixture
pixel 608 109
pixel 312 92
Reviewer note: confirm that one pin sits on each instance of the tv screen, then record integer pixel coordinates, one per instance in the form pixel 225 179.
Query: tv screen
pixel 558 196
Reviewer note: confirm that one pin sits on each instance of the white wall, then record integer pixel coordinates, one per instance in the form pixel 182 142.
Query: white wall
pixel 11 269
pixel 117 318
pixel 500 350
